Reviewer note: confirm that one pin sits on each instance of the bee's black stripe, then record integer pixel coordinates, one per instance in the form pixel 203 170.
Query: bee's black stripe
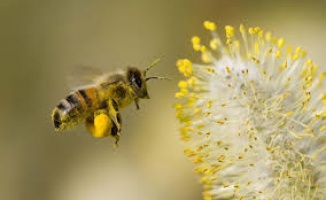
pixel 85 97
pixel 56 120
pixel 61 106
pixel 72 100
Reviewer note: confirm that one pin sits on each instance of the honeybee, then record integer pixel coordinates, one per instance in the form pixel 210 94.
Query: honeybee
pixel 98 105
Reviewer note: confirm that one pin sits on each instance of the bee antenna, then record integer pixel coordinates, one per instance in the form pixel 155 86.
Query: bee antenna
pixel 153 64
pixel 157 77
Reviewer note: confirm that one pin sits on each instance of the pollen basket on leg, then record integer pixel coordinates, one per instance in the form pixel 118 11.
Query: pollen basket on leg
pixel 252 116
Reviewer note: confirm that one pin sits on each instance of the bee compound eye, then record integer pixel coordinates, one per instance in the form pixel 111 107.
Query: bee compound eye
pixel 137 81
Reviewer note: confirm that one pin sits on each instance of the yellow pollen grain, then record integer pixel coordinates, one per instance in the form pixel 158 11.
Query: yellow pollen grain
pixel 211 26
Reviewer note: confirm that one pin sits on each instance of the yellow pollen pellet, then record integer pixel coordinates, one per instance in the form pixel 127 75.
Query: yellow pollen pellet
pixel 211 26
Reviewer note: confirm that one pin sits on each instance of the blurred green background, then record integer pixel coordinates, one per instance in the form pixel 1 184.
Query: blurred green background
pixel 43 41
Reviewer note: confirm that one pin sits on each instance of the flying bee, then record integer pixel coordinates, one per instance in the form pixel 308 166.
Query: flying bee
pixel 98 105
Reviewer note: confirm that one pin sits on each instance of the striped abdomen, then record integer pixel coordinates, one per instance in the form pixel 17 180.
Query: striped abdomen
pixel 74 109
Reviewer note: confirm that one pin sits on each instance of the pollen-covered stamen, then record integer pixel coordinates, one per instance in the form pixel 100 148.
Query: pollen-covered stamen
pixel 253 117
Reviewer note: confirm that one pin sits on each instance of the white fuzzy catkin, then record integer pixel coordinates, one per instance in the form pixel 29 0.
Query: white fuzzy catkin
pixel 253 117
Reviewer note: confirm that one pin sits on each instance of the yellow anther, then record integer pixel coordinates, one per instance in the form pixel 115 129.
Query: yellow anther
pixel 189 152
pixel 258 31
pixel 214 44
pixel 181 94
pixel 227 70
pixel 298 50
pixel 295 57
pixel 280 42
pixel 209 25
pixel 203 49
pixel 178 106
pixel 303 53
pixel 195 40
pixel 182 84
pixel 209 103
pixel 323 98
pixel 278 54
pixel 196 43
pixel 236 44
pixel 206 57
pixel 229 30
pixel 284 65
pixel 185 67
pixel 242 28
pixel 322 76
pixel 192 81
pixel 251 31
pixel 268 36
pixel 309 62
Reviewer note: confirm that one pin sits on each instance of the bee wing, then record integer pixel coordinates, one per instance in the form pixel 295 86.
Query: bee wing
pixel 83 76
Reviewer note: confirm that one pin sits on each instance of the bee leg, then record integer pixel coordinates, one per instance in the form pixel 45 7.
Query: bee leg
pixel 137 103
pixel 115 116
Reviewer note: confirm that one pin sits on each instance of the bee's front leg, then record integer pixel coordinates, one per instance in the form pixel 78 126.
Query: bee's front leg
pixel 137 103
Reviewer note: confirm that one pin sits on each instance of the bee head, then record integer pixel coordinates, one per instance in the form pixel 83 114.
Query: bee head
pixel 137 80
